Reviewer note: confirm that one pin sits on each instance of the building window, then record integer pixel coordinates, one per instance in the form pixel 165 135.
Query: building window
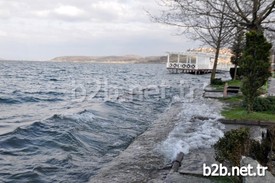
pixel 173 57
pixel 193 60
pixel 183 59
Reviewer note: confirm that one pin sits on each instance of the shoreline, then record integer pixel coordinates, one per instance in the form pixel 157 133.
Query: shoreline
pixel 89 62
pixel 109 62
pixel 140 162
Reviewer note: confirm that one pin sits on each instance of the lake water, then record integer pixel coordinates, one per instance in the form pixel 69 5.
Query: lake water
pixel 61 122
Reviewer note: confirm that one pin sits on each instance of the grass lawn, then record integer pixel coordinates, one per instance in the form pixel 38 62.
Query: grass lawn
pixel 234 100
pixel 239 113
pixel 233 82
pixel 229 82
pixel 236 112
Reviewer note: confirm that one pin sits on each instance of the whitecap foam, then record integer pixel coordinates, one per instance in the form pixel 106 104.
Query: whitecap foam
pixel 84 116
pixel 193 133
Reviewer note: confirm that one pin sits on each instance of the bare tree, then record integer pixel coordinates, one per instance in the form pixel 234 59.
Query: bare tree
pixel 237 49
pixel 213 21
pixel 193 16
pixel 255 15
pixel 216 32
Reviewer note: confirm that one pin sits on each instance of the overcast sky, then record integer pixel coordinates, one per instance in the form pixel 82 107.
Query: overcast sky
pixel 43 29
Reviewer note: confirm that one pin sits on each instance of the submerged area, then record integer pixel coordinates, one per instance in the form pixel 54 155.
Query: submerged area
pixel 65 121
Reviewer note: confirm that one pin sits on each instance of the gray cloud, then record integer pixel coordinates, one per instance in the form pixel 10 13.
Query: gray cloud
pixel 44 29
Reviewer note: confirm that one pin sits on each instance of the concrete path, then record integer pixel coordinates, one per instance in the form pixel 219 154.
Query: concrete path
pixel 192 163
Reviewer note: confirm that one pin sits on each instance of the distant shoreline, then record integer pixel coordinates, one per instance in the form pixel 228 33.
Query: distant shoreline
pixel 91 62
pixel 128 59
pixel 109 62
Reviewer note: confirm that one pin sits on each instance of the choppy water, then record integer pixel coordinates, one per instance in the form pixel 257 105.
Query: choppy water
pixel 61 122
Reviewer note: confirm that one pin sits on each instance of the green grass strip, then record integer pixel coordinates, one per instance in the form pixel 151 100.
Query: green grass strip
pixel 239 113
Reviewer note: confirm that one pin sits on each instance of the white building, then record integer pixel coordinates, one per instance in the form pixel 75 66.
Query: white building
pixel 198 61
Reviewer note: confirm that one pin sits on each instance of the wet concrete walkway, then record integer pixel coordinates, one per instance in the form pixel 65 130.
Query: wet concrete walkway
pixel 192 164
pixel 191 170
pixel 140 162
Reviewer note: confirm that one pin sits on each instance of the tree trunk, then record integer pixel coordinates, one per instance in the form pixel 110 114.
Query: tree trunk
pixel 249 107
pixel 218 47
pixel 235 72
pixel 213 74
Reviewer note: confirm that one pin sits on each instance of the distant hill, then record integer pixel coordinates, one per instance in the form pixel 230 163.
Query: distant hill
pixel 112 59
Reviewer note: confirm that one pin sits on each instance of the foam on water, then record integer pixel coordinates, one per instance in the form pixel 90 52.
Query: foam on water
pixel 197 127
pixel 82 116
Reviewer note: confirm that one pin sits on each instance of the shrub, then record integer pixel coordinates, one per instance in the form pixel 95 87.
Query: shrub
pixel 254 64
pixel 217 81
pixel 233 146
pixel 259 151
pixel 264 104
pixel 232 72
pixel 261 104
pixel 237 143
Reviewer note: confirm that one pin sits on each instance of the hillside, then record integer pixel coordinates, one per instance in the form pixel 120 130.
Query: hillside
pixel 112 59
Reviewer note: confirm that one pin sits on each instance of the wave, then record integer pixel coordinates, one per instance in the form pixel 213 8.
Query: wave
pixel 86 137
pixel 47 93
pixel 27 99
pixel 4 100
pixel 198 127
pixel 74 146
pixel 53 143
